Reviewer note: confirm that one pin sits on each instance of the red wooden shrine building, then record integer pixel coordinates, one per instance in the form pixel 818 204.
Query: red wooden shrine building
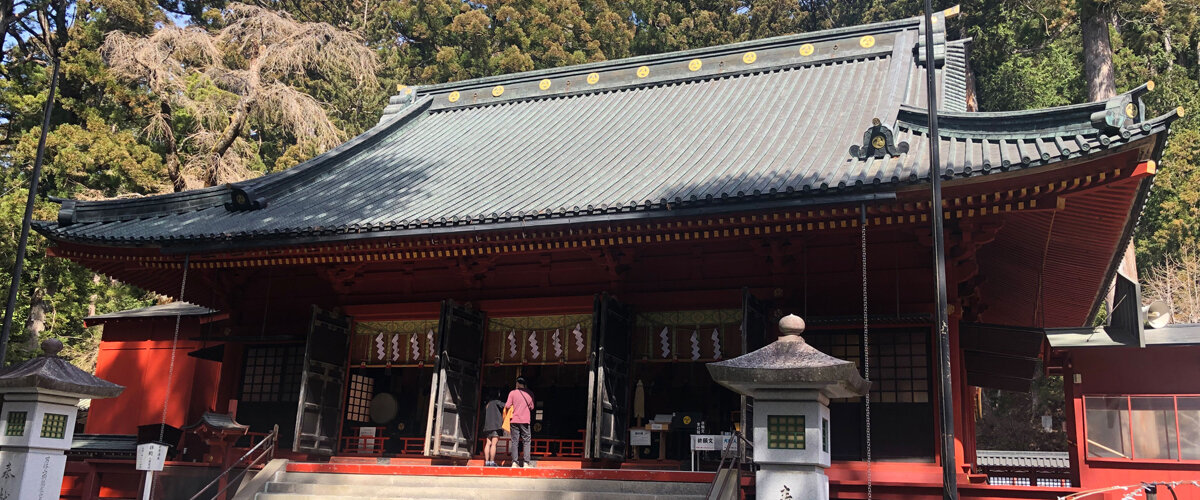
pixel 606 229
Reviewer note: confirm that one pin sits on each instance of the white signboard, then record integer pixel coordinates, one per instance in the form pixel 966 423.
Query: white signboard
pixel 639 437
pixel 709 442
pixel 151 456
pixel 366 445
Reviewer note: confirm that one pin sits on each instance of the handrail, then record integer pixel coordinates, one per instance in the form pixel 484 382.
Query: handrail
pixel 736 461
pixel 267 451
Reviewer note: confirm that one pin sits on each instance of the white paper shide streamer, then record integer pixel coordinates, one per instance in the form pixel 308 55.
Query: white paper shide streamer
pixel 380 352
pixel 395 347
pixel 666 344
pixel 429 342
pixel 716 338
pixel 533 345
pixel 416 346
pixel 558 351
pixel 512 344
pixel 578 332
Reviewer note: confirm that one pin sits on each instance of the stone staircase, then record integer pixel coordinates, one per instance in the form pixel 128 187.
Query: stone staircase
pixel 474 483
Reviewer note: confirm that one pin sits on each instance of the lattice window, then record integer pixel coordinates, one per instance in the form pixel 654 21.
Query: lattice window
pixel 825 435
pixel 54 426
pixel 16 423
pixel 358 406
pixel 900 365
pixel 271 373
pixel 899 362
pixel 785 432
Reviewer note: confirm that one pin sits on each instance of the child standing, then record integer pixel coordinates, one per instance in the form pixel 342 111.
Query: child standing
pixel 493 418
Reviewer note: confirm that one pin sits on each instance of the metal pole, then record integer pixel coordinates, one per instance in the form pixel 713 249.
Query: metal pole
pixel 35 178
pixel 945 394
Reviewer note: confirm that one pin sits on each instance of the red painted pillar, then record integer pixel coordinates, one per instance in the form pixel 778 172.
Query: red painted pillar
pixel 1073 403
pixel 958 385
pixel 230 376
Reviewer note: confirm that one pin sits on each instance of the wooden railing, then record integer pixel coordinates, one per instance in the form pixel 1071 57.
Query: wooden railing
pixel 377 446
pixel 557 448
pixel 735 457
pixel 363 445
pixel 260 453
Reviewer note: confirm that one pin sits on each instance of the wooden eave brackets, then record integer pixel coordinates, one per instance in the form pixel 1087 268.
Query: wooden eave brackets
pixel 877 142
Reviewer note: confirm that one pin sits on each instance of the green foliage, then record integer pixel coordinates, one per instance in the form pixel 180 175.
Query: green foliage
pixel 1013 420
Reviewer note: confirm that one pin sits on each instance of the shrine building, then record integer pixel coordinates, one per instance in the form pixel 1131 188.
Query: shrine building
pixel 605 230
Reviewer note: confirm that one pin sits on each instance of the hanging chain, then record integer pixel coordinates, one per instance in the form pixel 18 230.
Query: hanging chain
pixel 866 347
pixel 162 428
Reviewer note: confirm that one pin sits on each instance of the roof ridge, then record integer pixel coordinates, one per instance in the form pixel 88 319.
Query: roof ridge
pixel 915 118
pixel 847 43
pixel 781 40
pixel 669 82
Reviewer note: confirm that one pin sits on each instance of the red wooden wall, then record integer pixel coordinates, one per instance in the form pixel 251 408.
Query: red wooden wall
pixel 136 353
pixel 1128 370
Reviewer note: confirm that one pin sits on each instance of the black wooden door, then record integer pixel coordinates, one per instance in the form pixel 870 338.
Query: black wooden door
pixel 322 383
pixel 755 325
pixel 608 380
pixel 454 398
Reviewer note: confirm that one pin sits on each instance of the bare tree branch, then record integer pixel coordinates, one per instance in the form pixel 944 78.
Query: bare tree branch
pixel 222 81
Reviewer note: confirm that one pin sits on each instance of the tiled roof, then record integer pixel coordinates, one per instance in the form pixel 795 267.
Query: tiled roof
pixel 105 445
pixel 955 77
pixel 171 309
pixel 1036 459
pixel 1169 335
pixel 767 122
pixel 52 373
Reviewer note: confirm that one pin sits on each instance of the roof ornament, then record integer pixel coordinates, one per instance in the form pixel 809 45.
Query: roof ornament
pixel 66 214
pixel 1123 110
pixel 243 199
pixel 878 142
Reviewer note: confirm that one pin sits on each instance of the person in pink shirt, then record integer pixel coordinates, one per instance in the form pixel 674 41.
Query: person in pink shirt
pixel 521 401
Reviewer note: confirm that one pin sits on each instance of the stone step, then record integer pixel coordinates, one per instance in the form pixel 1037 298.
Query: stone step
pixel 397 484
pixel 474 484
pixel 281 491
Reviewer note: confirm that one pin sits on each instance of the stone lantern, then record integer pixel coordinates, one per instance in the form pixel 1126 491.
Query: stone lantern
pixel 38 421
pixel 791 383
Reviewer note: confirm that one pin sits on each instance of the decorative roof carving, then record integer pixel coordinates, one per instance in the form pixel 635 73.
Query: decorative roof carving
pixel 878 142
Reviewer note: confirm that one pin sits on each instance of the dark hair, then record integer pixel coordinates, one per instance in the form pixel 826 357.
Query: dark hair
pixel 521 380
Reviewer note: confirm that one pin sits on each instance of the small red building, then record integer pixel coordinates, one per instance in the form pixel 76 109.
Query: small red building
pixel 1135 410
pixel 606 229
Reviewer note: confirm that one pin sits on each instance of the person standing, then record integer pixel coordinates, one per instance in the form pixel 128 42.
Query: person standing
pixel 493 419
pixel 521 401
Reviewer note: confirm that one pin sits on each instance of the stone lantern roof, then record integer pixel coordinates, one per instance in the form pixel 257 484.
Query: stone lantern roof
pixel 789 363
pixel 50 373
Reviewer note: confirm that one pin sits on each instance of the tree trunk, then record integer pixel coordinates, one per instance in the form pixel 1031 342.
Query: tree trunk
pixel 231 133
pixel 174 166
pixel 1167 48
pixel 37 319
pixel 174 170
pixel 1097 51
